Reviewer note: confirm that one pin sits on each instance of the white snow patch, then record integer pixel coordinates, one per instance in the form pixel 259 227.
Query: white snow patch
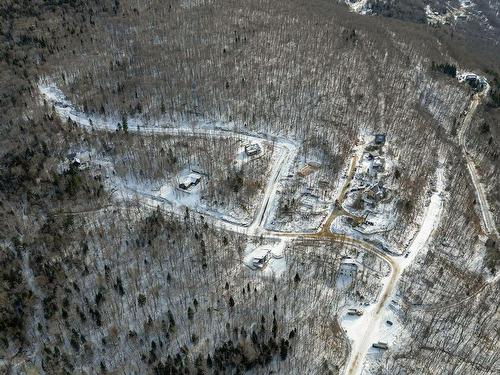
pixel 275 265
pixel 368 329
pixel 358 6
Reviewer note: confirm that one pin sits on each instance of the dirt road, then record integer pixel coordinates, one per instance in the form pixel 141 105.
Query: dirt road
pixel 486 216
pixel 286 154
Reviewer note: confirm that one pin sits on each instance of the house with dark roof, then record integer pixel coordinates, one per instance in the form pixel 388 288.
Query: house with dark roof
pixel 189 181
pixel 380 139
pixel 252 149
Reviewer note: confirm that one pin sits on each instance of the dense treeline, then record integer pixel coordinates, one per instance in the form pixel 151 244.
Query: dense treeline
pixel 139 291
pixel 495 89
pixel 445 68
pixel 30 142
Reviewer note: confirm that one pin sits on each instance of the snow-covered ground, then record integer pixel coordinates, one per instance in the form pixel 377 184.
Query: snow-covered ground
pixel 285 154
pixel 341 225
pixel 314 196
pixel 358 6
pixel 280 169
pixel 369 221
pixel 487 221
pixel 242 157
pixel 372 326
pixel 362 330
pixel 301 185
pixel 275 266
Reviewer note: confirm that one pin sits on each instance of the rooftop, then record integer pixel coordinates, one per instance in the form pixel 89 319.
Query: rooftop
pixel 379 139
pixel 260 253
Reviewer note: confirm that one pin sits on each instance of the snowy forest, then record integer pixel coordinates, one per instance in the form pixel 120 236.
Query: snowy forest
pixel 227 187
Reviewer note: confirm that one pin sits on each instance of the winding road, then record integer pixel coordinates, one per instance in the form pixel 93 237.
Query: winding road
pixel 287 151
pixel 486 216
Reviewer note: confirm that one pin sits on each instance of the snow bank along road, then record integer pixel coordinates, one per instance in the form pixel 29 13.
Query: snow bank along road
pixel 287 151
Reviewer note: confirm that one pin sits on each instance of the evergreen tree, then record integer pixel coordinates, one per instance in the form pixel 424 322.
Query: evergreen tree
pixel 296 278
pixel 125 123
pixel 283 349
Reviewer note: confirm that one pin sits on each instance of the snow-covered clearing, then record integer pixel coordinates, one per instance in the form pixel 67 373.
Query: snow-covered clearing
pixel 341 225
pixel 358 6
pixel 276 263
pixel 369 204
pixel 452 14
pixel 312 196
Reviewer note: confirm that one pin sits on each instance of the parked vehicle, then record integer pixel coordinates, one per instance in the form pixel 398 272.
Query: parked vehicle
pixel 354 312
pixel 381 345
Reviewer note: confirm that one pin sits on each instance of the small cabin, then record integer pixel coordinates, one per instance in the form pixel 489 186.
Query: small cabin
pixel 474 81
pixel 261 257
pixel 380 139
pixel 80 160
pixel 378 163
pixel 369 156
pixel 376 192
pixel 252 149
pixel 189 181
